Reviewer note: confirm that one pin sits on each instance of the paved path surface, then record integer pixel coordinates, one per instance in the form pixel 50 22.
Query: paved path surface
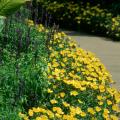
pixel 107 50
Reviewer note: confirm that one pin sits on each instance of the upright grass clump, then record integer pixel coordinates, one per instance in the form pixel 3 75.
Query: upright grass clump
pixel 23 67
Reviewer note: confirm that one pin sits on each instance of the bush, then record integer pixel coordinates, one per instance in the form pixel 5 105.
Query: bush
pixel 92 17
pixel 100 21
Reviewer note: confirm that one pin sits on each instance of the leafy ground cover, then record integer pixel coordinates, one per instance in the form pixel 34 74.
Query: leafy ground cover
pixel 79 86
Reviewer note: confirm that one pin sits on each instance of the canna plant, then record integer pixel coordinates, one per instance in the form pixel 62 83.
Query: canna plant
pixel 7 7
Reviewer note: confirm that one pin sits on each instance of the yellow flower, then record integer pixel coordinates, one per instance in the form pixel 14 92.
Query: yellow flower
pixel 50 91
pixel 66 104
pixel 106 111
pixel 74 93
pixel 55 64
pixel 61 45
pixel 105 115
pixel 94 86
pixel 100 103
pixel 78 110
pixel 98 109
pixel 50 114
pixel 43 117
pixel 83 114
pixel 109 102
pixel 38 118
pixel 62 94
pixel 36 110
pixel 91 110
pixel 58 110
pixel 117 97
pixel 115 107
pixel 29 22
pixel 30 112
pixel 58 115
pixel 62 64
pixel 99 97
pixel 113 117
pixel 69 117
pixel 53 101
pixel 102 88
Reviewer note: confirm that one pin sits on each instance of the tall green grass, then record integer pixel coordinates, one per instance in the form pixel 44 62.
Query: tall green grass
pixel 23 66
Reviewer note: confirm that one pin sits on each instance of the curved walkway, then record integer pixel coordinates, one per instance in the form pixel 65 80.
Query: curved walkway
pixel 107 50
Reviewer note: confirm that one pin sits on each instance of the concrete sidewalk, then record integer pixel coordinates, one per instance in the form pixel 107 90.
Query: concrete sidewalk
pixel 105 49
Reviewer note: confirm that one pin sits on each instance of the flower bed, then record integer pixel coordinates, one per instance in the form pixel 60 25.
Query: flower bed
pixel 79 86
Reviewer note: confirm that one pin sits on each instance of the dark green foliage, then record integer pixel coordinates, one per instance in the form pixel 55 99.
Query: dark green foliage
pixel 7 7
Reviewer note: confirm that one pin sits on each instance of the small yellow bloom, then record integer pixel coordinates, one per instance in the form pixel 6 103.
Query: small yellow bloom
pixel 113 117
pixel 30 112
pixel 74 93
pixel 100 103
pixel 106 111
pixel 115 107
pixel 83 114
pixel 29 22
pixel 43 117
pixel 98 109
pixel 99 97
pixel 50 114
pixel 58 115
pixel 58 110
pixel 66 104
pixel 102 88
pixel 109 102
pixel 105 115
pixel 53 101
pixel 50 91
pixel 91 110
pixel 62 94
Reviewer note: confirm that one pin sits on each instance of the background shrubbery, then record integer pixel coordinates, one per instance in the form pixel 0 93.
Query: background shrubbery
pixel 93 16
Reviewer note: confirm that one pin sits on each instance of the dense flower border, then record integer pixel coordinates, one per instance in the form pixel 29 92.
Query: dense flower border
pixel 78 86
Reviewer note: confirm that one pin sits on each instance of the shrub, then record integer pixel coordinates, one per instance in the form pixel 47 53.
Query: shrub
pixel 100 21
pixel 84 15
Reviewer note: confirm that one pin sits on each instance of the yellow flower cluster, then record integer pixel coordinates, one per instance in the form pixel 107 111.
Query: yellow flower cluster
pixel 80 13
pixel 39 27
pixel 78 86
pixel 99 18
pixel 116 26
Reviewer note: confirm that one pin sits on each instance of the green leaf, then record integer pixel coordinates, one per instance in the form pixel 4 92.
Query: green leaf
pixel 2 19
pixel 7 7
